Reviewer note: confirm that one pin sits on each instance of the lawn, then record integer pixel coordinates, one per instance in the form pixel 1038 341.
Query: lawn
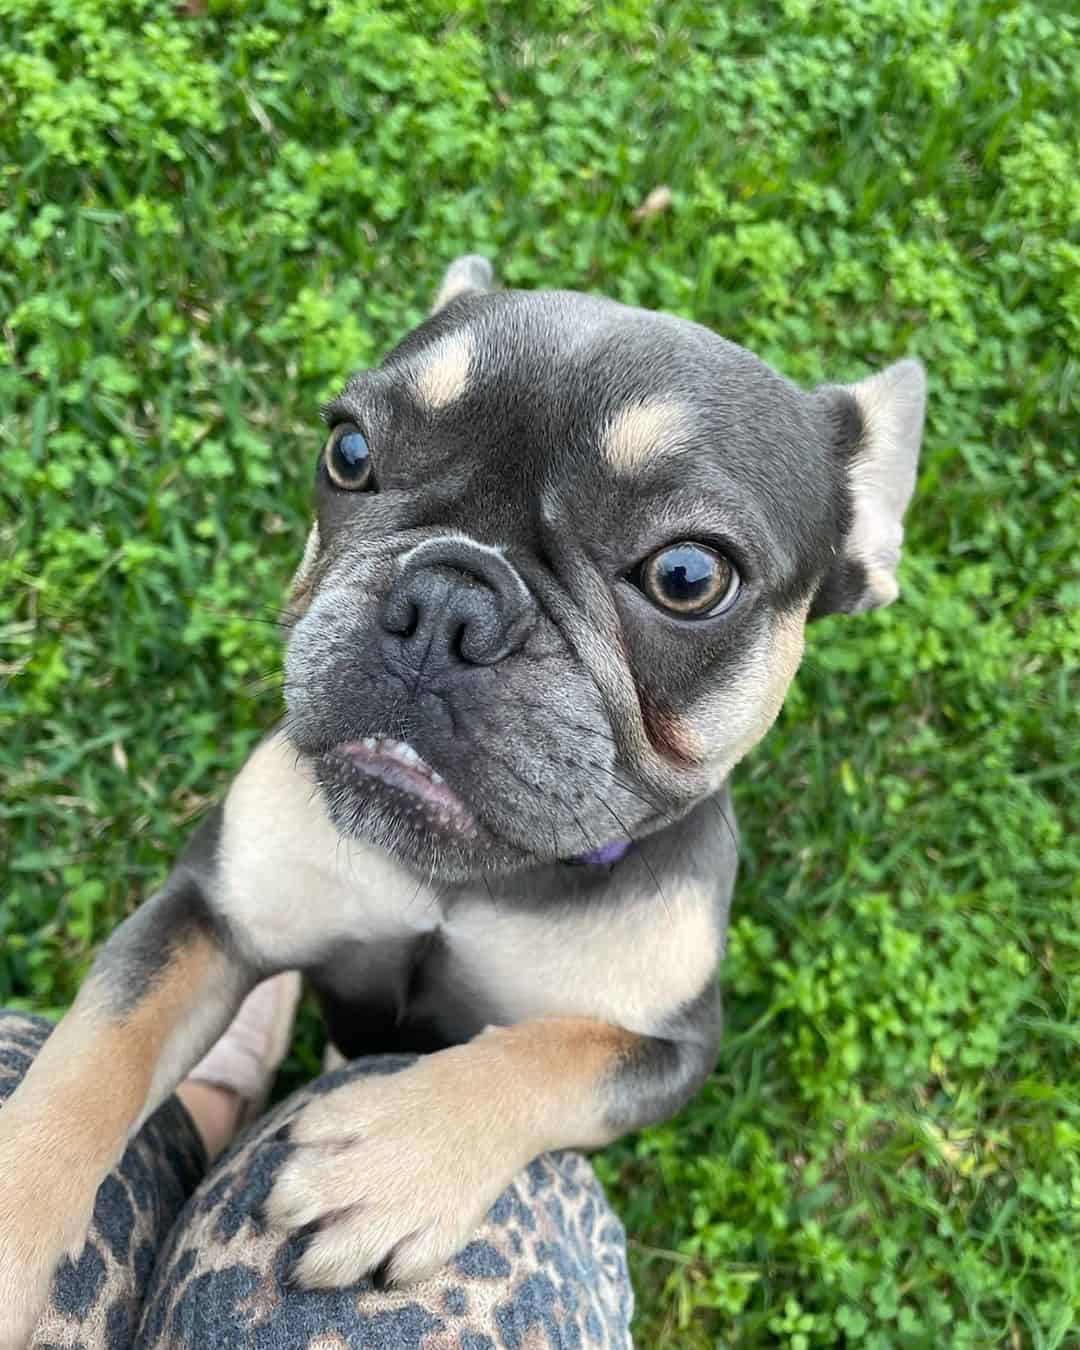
pixel 211 212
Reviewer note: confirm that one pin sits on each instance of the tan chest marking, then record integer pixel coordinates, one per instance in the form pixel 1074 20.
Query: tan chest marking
pixel 629 966
pixel 289 882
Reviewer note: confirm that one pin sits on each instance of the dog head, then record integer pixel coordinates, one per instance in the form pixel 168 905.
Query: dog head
pixel 563 559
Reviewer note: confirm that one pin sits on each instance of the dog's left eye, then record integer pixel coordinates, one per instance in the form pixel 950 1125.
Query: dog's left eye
pixel 690 580
pixel 348 459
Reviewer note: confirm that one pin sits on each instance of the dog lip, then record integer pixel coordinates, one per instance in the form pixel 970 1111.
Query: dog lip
pixel 399 767
pixel 376 748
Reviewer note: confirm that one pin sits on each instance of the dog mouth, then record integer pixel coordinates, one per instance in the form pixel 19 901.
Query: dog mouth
pixel 393 773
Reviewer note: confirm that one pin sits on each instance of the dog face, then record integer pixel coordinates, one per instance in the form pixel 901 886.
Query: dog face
pixel 563 558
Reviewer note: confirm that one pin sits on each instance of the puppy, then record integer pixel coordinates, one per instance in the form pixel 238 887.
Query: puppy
pixel 563 556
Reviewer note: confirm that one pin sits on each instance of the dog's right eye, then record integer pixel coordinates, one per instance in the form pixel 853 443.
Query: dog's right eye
pixel 348 459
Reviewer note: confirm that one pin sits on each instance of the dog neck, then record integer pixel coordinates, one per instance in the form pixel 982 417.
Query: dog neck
pixel 607 856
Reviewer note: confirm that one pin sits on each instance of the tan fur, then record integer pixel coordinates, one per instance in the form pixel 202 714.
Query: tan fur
pixel 51 1163
pixel 629 964
pixel 730 721
pixel 556 1068
pixel 641 430
pixel 93 1082
pixel 788 645
pixel 443 376
pixel 204 990
pixel 278 844
pixel 671 735
pixel 404 1166
pixel 289 882
pixel 157 1035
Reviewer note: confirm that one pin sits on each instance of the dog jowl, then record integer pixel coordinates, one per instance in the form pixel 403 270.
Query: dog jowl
pixel 563 557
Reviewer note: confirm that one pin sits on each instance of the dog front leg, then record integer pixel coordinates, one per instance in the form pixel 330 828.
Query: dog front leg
pixel 162 989
pixel 393 1173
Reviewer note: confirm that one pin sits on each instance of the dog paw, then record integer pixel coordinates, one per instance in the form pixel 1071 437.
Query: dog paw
pixel 389 1176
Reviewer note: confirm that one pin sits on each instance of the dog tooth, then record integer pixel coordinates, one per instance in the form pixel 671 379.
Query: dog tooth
pixel 435 777
pixel 368 743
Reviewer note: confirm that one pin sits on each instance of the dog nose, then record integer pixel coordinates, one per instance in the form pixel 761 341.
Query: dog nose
pixel 455 601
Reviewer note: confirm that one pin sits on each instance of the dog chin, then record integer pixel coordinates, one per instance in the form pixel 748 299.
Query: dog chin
pixel 424 826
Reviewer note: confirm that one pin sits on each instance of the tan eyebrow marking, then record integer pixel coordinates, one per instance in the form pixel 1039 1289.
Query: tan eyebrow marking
pixel 640 430
pixel 444 374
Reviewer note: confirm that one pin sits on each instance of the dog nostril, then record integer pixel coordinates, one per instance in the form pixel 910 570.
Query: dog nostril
pixel 401 616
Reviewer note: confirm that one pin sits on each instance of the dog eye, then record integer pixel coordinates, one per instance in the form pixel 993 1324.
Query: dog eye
pixel 348 459
pixel 689 580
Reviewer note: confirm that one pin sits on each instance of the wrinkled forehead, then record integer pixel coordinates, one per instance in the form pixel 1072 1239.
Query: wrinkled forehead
pixel 598 404
pixel 586 358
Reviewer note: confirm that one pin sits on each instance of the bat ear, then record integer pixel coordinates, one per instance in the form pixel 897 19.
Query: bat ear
pixel 302 584
pixel 470 274
pixel 880 424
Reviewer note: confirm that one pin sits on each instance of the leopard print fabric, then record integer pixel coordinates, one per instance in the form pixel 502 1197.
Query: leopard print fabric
pixel 546 1271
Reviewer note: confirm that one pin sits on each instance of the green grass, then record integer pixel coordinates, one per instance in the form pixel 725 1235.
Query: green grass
pixel 209 214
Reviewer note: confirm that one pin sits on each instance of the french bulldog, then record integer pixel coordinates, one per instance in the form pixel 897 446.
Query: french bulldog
pixel 563 557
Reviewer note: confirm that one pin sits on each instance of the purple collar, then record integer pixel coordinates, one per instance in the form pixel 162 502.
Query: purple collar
pixel 607 856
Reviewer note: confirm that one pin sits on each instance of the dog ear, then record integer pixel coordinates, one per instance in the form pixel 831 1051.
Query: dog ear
pixel 470 274
pixel 877 426
pixel 302 586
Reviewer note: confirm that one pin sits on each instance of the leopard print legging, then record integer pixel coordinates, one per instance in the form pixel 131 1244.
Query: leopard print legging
pixel 178 1257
